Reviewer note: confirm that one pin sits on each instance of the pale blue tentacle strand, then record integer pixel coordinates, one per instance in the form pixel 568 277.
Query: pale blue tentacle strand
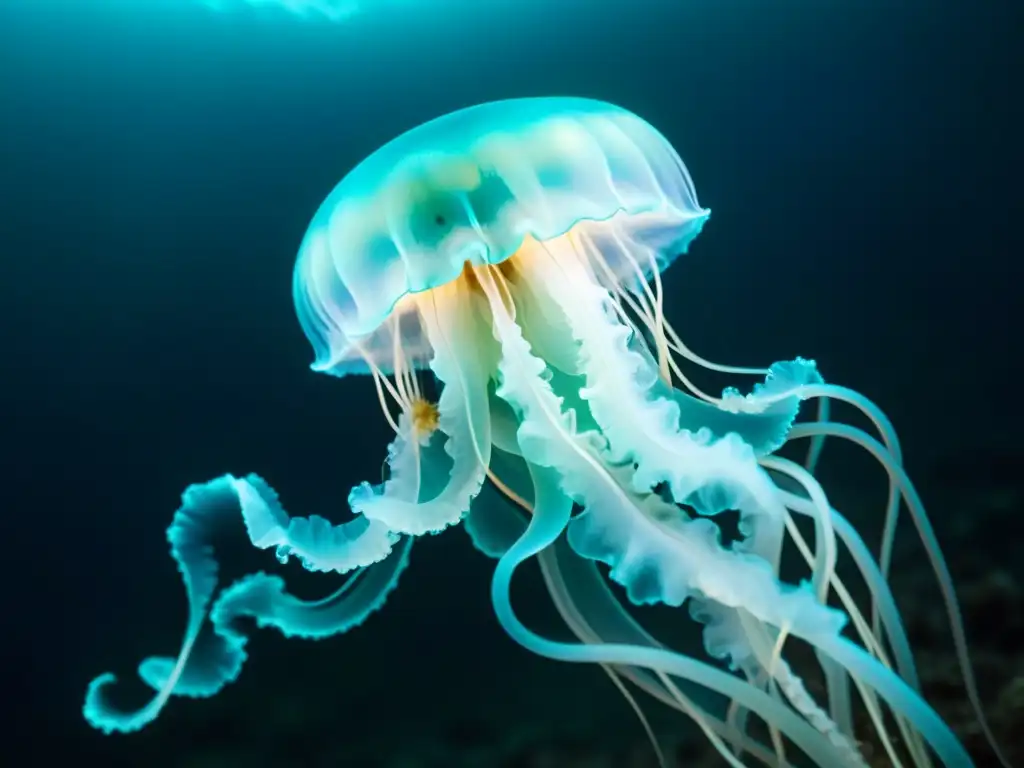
pixel 660 557
pixel 547 439
pixel 551 514
pixel 906 489
pixel 212 654
pixel 451 320
pixel 595 615
pixel 203 509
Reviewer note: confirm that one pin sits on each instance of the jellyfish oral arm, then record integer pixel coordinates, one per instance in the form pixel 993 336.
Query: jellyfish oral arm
pixel 452 322
pixel 320 545
pixel 551 515
pixel 627 527
pixel 547 439
pixel 213 649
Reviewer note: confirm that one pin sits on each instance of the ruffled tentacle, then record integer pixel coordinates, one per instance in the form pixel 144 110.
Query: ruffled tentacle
pixel 212 654
pixel 314 540
pixel 659 555
pixel 709 473
pixel 551 514
pixel 453 321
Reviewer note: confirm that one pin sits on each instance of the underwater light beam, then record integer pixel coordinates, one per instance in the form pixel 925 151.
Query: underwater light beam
pixel 332 10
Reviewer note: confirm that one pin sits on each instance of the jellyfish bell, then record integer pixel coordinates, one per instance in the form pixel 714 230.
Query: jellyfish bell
pixel 470 188
pixel 394 273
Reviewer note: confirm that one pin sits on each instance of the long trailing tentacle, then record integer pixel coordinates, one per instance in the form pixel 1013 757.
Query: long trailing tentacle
pixel 901 481
pixel 582 599
pixel 602 344
pixel 547 438
pixel 589 609
pixel 720 473
pixel 551 515
pixel 212 654
pixel 595 616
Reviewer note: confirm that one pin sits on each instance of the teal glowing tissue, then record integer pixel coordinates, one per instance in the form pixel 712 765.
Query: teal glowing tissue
pixel 508 256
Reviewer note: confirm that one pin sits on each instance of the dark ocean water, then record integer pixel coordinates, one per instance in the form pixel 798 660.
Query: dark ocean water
pixel 158 166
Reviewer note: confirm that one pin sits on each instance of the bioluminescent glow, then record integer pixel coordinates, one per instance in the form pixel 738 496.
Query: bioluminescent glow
pixel 332 10
pixel 509 255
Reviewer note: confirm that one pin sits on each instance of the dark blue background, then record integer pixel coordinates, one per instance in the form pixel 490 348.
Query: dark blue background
pixel 159 163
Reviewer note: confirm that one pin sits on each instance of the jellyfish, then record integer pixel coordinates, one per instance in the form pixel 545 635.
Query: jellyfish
pixel 495 274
